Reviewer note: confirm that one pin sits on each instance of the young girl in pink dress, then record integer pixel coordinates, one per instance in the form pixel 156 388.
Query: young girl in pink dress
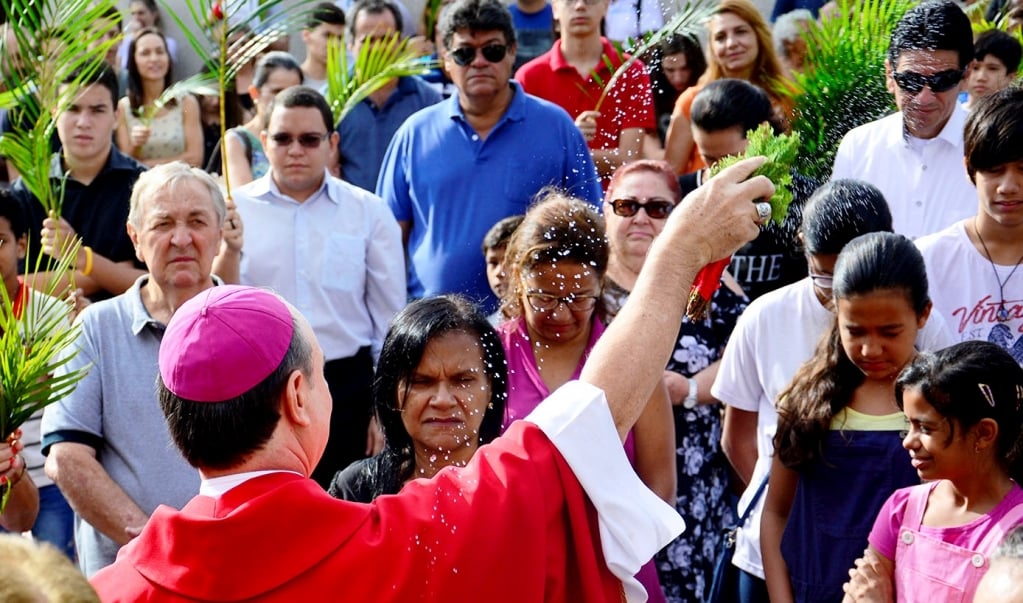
pixel 933 542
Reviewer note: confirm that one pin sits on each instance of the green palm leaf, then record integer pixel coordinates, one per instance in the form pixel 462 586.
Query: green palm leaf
pixel 224 43
pixel 689 19
pixel 378 62
pixel 56 41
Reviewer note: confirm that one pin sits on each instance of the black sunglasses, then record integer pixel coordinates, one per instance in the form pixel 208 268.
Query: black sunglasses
pixel 942 81
pixel 656 208
pixel 309 141
pixel 464 55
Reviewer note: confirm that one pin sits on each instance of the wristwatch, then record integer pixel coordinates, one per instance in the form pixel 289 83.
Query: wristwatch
pixel 694 390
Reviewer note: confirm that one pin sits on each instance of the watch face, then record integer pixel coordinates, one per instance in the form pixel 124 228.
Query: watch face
pixel 689 403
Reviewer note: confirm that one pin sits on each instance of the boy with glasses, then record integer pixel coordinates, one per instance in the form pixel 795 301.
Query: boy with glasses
pixel 915 156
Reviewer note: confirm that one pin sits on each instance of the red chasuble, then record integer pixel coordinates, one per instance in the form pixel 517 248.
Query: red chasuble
pixel 514 526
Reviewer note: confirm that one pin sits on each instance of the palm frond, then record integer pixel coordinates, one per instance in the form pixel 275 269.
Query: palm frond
pixel 225 43
pixel 201 83
pixel 58 48
pixel 689 19
pixel 378 62
pixel 844 86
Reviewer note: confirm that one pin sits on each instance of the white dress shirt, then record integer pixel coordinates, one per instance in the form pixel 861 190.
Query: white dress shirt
pixel 337 257
pixel 924 181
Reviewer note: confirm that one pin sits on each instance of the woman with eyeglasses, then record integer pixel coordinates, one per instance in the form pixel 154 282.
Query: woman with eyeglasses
pixel 151 129
pixel 556 262
pixel 638 201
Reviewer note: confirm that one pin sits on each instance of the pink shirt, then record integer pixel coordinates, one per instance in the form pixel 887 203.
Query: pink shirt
pixel 526 388
pixel 885 534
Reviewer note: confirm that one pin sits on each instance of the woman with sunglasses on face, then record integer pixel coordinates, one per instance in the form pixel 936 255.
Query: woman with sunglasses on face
pixel 556 262
pixel 637 204
pixel 154 134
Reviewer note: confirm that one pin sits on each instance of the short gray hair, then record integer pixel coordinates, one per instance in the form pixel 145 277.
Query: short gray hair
pixel 170 175
pixel 787 27
pixel 1012 546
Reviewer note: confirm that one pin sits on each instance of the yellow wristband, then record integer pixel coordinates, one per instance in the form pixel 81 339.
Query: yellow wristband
pixel 88 261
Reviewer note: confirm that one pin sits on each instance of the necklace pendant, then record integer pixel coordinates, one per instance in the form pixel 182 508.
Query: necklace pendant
pixel 1003 314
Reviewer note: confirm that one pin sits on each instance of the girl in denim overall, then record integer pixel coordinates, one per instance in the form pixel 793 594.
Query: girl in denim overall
pixel 933 542
pixel 838 447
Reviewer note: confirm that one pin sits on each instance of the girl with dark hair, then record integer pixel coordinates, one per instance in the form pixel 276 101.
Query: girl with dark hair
pixel 439 392
pixel 246 158
pixel 678 63
pixel 151 133
pixel 838 453
pixel 932 542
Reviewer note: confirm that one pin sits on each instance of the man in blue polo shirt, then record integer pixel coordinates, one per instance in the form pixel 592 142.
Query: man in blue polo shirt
pixel 456 168
pixel 368 128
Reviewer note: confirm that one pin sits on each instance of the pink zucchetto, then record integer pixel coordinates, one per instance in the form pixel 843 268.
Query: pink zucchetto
pixel 223 342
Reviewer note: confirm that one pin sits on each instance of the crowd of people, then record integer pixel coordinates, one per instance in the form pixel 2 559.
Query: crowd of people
pixel 446 334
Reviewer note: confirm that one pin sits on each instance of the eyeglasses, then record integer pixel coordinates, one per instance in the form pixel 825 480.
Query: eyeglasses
pixel 308 141
pixel 545 302
pixel 655 207
pixel 942 81
pixel 822 281
pixel 463 55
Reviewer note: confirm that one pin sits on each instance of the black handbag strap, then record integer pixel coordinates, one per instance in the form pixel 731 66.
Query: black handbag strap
pixel 753 501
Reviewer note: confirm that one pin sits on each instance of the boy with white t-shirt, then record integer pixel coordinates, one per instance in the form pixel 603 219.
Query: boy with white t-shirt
pixel 776 335
pixel 973 265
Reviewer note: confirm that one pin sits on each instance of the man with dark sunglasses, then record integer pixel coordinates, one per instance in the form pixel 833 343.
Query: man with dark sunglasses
pixel 915 156
pixel 455 169
pixel 331 249
pixel 573 74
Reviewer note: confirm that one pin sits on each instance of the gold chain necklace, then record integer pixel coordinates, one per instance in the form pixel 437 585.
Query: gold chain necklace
pixel 1002 315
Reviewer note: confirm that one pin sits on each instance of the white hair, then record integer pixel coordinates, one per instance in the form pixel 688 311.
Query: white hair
pixel 788 27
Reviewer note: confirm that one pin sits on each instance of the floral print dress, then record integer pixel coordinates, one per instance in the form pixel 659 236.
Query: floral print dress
pixel 686 565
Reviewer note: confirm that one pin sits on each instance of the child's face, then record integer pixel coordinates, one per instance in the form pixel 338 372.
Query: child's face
pixel 987 76
pixel 934 453
pixel 878 332
pixel 495 270
pixel 12 249
pixel 1000 191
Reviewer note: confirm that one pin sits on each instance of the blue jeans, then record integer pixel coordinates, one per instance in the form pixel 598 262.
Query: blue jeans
pixel 56 521
pixel 751 588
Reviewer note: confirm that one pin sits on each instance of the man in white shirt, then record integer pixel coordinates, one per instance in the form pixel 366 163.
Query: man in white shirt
pixel 331 249
pixel 915 156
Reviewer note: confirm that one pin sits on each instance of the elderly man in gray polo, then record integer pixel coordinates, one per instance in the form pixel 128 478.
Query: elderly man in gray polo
pixel 108 446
